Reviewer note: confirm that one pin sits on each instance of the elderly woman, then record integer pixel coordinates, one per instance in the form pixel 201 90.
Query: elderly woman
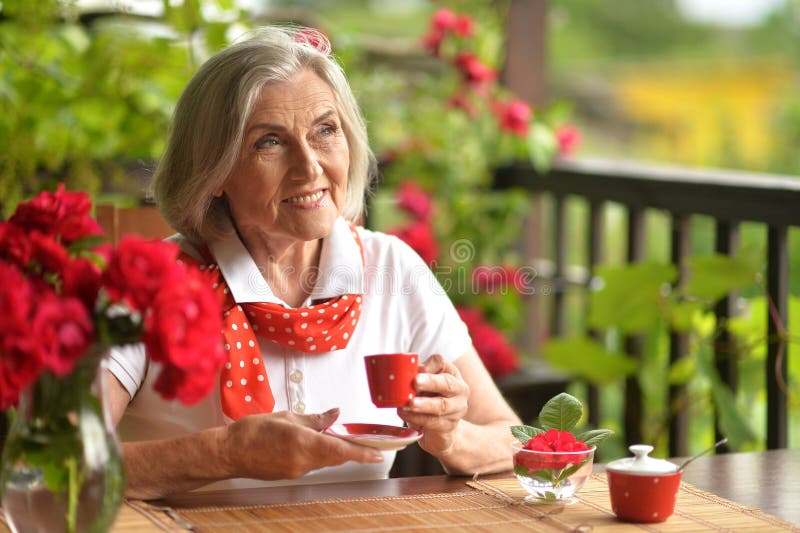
pixel 265 169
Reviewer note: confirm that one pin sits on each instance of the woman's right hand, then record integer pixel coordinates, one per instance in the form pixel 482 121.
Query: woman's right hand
pixel 286 446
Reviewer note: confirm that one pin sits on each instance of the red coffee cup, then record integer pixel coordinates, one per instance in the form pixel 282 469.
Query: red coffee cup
pixel 391 378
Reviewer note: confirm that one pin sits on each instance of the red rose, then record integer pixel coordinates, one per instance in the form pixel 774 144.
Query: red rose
pixel 9 392
pixel 412 199
pixel 462 101
pixel 20 364
pixel 183 330
pixel 498 355
pixel 514 116
pixel 187 387
pixel 60 213
pixel 444 19
pixel 15 246
pixel 464 26
pixel 138 269
pixel 432 41
pixel 81 278
pixel 476 73
pixel 47 252
pixel 569 137
pixel 546 443
pixel 419 236
pixel 16 295
pixel 63 332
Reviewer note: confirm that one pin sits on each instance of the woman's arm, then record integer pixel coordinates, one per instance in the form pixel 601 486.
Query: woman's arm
pixel 464 418
pixel 267 446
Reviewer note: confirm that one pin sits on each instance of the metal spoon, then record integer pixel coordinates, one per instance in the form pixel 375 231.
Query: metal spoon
pixel 689 460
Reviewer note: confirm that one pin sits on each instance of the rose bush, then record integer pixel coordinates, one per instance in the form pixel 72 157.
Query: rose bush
pixel 58 300
pixel 440 132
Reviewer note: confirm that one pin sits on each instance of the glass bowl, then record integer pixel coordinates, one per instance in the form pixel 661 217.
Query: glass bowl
pixel 551 477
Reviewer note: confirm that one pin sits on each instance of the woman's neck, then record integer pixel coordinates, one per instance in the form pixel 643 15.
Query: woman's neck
pixel 289 268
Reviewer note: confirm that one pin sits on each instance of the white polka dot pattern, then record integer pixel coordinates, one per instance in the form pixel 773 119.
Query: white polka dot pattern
pixel 244 387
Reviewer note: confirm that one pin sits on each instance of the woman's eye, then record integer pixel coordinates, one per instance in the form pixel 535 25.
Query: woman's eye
pixel 267 141
pixel 328 130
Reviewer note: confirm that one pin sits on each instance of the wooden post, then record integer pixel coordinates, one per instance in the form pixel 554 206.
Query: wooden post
pixel 679 345
pixel 726 356
pixel 634 344
pixel 524 74
pixel 526 51
pixel 778 292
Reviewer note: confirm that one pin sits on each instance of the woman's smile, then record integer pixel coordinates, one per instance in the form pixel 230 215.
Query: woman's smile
pixel 308 200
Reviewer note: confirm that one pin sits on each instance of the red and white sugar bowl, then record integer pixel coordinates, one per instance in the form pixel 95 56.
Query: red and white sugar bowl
pixel 643 489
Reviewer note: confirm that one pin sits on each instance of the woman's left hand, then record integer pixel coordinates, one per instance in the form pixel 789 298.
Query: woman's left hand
pixel 441 403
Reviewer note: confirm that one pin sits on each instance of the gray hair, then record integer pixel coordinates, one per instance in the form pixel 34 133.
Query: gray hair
pixel 207 130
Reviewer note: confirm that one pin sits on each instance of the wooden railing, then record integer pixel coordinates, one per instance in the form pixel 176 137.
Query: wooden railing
pixel 729 198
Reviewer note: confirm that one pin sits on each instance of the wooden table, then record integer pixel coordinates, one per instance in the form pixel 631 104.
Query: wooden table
pixel 769 481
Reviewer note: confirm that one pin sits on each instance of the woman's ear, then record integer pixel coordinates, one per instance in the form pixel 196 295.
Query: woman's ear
pixel 219 193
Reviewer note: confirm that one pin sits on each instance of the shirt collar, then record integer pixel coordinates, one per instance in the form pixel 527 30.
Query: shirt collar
pixel 341 269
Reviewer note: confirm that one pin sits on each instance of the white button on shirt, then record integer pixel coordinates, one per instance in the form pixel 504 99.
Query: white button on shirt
pixel 404 310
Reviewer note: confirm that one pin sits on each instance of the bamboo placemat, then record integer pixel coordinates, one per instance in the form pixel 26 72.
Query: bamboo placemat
pixel 497 505
pixel 133 517
pixel 695 510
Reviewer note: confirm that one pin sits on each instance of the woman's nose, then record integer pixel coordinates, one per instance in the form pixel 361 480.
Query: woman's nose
pixel 305 164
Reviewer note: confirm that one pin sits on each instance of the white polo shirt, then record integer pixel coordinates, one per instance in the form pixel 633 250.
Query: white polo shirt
pixel 405 309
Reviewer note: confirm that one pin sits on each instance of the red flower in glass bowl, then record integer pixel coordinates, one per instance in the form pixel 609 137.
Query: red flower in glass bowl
pixel 556 451
pixel 551 463
pixel 550 474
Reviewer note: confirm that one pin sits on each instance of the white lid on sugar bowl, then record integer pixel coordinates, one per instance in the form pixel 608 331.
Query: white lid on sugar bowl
pixel 640 464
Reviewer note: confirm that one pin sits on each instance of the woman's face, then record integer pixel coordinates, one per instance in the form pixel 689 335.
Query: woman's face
pixel 290 179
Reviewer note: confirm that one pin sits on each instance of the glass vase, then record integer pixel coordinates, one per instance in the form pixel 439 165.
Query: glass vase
pixel 62 468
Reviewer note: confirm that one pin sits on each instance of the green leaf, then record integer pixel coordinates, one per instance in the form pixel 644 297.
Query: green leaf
pixel 544 475
pixel 561 412
pixel 682 315
pixel 76 37
pixel 86 243
pixel 525 433
pixel 631 297
pixel 586 358
pixel 713 276
pixel 732 423
pixel 682 370
pixel 520 470
pixel 216 35
pixel 56 476
pixel 565 473
pixel 226 4
pixel 593 437
pixel 542 146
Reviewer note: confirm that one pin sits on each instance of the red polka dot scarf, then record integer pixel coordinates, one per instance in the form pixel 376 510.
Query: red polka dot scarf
pixel 320 328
